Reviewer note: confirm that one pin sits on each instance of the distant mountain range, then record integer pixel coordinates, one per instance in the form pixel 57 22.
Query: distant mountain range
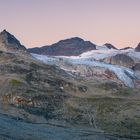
pixel 68 47
pixel 72 47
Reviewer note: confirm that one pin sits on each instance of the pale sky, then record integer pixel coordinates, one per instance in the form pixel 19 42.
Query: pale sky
pixel 43 22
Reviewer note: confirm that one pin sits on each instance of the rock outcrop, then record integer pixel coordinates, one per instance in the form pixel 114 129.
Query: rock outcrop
pixel 121 60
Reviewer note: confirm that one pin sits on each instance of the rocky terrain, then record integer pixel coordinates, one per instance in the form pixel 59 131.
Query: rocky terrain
pixel 75 97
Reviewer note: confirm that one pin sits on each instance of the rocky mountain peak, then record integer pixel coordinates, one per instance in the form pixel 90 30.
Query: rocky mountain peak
pixel 109 46
pixel 8 42
pixel 68 47
pixel 137 49
pixel 4 32
pixel 73 39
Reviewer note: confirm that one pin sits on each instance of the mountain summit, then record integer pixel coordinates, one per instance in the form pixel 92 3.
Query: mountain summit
pixel 8 42
pixel 137 49
pixel 68 47
pixel 110 46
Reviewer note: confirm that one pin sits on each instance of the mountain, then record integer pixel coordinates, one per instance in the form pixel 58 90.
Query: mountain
pixel 137 49
pixel 9 43
pixel 76 97
pixel 69 47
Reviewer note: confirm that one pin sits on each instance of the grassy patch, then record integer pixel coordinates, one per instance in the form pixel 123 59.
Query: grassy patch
pixel 126 92
pixel 15 82
pixel 108 86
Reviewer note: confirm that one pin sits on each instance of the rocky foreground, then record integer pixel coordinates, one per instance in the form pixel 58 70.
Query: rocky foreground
pixel 14 129
pixel 43 101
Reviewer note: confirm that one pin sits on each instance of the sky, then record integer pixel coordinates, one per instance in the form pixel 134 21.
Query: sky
pixel 42 22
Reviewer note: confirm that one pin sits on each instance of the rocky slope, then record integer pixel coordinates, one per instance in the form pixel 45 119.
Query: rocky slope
pixel 69 47
pixel 43 101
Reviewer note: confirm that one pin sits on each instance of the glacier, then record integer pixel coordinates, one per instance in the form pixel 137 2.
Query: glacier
pixel 124 74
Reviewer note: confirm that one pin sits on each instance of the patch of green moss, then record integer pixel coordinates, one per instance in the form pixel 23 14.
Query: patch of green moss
pixel 15 82
pixel 108 86
pixel 126 92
